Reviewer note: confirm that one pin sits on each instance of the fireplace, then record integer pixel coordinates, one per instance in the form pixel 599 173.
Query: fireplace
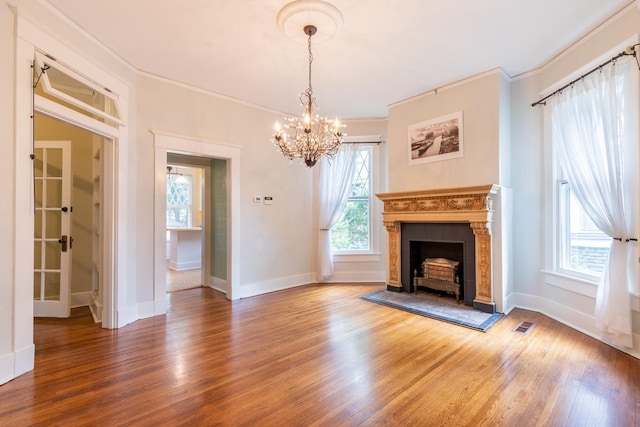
pixel 454 224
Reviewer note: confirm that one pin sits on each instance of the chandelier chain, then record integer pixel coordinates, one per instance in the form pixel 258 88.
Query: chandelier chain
pixel 310 88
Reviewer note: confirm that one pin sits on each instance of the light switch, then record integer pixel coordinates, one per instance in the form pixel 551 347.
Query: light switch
pixel 257 199
pixel 268 200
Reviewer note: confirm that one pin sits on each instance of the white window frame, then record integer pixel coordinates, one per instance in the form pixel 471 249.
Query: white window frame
pixel 373 254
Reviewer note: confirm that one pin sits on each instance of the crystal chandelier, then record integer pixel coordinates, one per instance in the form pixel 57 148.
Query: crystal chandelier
pixel 308 138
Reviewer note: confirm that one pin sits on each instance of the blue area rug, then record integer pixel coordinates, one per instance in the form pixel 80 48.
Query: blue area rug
pixel 441 308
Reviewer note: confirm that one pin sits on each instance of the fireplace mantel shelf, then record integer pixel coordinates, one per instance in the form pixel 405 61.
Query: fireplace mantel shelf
pixel 473 205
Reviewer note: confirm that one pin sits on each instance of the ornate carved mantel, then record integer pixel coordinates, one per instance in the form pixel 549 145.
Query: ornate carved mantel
pixel 473 205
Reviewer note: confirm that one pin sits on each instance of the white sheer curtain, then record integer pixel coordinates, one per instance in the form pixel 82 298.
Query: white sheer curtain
pixel 588 128
pixel 335 184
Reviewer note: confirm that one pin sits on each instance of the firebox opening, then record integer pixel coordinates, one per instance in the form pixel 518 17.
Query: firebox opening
pixel 438 267
pixel 452 241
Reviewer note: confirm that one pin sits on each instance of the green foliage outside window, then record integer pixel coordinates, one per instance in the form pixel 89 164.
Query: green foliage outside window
pixel 352 231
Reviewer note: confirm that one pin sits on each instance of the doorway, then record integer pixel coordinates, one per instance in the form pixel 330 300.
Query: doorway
pixel 196 222
pixel 186 228
pixel 68 222
pixel 221 252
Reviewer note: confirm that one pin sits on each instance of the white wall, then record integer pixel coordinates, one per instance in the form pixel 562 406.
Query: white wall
pixel 275 240
pixel 478 98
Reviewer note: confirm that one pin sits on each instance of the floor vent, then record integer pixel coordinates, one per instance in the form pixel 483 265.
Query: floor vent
pixel 524 328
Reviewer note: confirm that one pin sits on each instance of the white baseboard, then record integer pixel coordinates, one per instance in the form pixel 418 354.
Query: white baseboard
pixel 357 277
pixel 146 309
pixel 273 285
pixel 13 365
pixel 575 319
pixel 80 299
pixel 127 315
pixel 160 306
pixel 218 284
pixel 185 265
pixel 7 363
pixel 25 359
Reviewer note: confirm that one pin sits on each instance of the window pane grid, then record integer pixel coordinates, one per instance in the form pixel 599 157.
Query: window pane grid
pixel 178 201
pixel 353 230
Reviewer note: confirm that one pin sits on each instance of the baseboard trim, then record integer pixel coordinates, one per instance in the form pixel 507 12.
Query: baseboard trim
pixel 568 316
pixel 357 277
pixel 146 309
pixel 25 359
pixel 13 365
pixel 220 285
pixel 127 315
pixel 81 299
pixel 7 363
pixel 274 285
pixel 185 265
pixel 160 306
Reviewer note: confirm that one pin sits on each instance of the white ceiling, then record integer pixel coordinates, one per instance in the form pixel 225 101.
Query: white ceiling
pixel 387 51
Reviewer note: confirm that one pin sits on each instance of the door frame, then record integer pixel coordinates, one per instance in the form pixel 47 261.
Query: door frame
pixel 164 143
pixel 32 37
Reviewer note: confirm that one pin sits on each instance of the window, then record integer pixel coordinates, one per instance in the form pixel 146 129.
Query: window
pixel 352 233
pixel 582 247
pixel 86 96
pixel 588 133
pixel 178 200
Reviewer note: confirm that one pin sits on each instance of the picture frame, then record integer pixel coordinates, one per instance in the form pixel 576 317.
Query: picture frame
pixel 436 139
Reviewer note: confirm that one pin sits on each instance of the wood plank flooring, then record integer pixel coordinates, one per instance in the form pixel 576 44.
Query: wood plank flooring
pixel 317 355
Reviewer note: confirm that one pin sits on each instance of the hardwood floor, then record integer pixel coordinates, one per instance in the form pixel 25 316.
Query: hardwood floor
pixel 317 355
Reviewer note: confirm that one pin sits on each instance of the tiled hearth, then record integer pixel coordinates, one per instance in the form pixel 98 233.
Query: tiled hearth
pixel 472 205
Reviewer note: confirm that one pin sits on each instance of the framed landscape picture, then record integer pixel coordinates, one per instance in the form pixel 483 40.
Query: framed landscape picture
pixel 436 139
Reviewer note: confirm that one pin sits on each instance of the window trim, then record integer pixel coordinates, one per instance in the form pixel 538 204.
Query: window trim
pixel 373 254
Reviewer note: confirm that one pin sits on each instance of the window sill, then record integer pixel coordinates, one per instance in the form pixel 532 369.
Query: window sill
pixel 563 281
pixel 357 257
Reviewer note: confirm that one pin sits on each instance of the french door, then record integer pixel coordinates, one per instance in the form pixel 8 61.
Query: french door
pixel 52 227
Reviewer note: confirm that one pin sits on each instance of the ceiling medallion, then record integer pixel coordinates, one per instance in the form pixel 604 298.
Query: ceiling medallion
pixel 296 15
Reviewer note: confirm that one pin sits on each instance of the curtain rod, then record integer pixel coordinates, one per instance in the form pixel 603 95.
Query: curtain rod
pixel 629 51
pixel 363 142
